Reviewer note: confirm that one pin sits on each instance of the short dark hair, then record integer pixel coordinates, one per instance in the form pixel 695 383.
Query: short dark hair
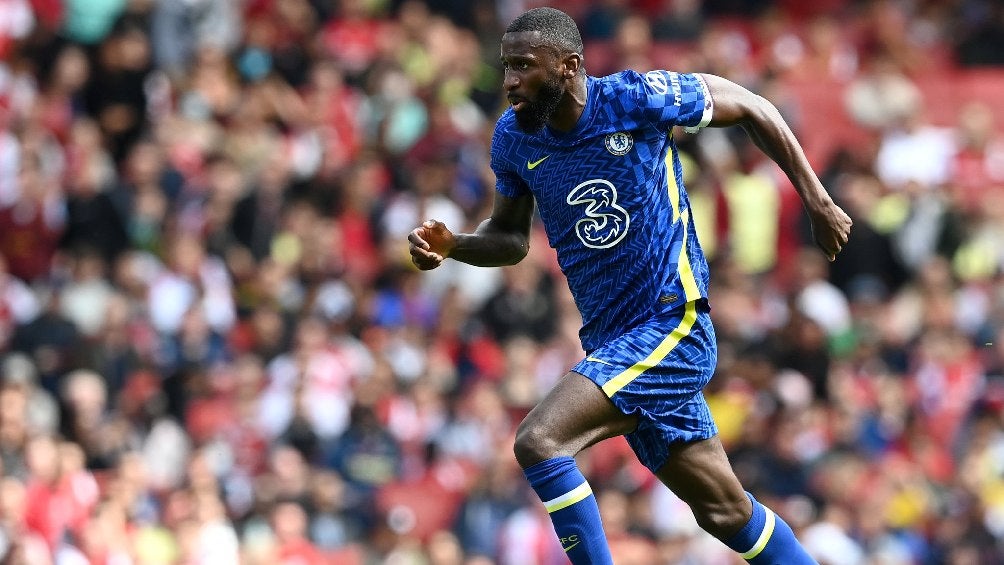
pixel 557 28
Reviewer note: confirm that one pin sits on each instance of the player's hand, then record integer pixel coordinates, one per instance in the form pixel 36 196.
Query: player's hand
pixel 430 244
pixel 831 227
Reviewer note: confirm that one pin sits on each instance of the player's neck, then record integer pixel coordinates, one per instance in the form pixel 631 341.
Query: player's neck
pixel 570 109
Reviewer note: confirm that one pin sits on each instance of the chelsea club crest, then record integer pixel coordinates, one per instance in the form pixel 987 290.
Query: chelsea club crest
pixel 619 143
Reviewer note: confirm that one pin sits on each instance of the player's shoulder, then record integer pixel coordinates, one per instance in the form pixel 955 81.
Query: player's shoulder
pixel 507 121
pixel 618 82
pixel 632 85
pixel 507 133
pixel 658 81
pixel 505 125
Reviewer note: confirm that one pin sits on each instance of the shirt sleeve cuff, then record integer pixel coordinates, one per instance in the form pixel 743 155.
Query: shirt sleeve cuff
pixel 709 107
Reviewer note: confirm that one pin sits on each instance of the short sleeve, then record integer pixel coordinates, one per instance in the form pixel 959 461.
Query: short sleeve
pixel 507 182
pixel 675 99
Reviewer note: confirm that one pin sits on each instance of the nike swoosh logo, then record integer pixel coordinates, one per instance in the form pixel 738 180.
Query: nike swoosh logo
pixel 533 165
pixel 567 549
pixel 595 360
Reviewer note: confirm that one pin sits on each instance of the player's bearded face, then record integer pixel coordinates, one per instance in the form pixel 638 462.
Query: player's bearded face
pixel 536 112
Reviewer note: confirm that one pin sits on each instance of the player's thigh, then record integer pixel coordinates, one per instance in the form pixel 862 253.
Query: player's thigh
pixel 699 473
pixel 574 415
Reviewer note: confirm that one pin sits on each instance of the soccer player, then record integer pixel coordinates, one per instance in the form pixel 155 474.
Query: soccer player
pixel 597 157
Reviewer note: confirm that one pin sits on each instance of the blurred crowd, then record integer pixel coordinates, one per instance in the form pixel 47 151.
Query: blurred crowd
pixel 214 348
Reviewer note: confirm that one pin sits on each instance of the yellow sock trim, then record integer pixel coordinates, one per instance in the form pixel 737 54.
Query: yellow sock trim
pixel 569 498
pixel 761 542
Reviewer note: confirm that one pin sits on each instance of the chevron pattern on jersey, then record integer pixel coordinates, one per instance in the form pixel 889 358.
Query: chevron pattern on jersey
pixel 617 221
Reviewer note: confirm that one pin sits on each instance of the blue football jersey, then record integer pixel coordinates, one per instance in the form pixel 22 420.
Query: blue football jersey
pixel 611 197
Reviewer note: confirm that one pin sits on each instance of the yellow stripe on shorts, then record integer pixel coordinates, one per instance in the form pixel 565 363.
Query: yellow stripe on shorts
pixel 631 373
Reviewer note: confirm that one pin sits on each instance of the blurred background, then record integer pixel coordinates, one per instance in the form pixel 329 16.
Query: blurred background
pixel 214 348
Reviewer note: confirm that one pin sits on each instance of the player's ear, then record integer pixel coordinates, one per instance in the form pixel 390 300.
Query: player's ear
pixel 571 65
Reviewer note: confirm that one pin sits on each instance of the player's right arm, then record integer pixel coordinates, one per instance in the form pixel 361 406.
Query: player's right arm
pixel 502 239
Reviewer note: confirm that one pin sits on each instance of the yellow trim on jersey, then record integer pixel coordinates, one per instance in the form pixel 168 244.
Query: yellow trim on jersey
pixel 673 186
pixel 690 289
pixel 761 542
pixel 577 494
pixel 631 373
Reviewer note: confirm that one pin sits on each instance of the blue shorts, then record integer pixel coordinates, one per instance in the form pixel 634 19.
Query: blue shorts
pixel 657 370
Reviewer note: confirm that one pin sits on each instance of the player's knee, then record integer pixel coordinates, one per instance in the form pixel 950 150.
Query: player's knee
pixel 533 444
pixel 722 519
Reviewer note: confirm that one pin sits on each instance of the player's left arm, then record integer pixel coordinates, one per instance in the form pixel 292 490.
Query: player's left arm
pixel 735 105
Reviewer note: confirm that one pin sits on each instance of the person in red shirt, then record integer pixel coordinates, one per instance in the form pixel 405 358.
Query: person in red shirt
pixel 289 523
pixel 31 227
pixel 46 504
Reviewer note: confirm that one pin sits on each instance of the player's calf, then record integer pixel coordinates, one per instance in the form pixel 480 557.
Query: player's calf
pixel 572 507
pixel 768 540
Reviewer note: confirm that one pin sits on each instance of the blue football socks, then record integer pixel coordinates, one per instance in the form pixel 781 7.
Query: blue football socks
pixel 768 540
pixel 573 509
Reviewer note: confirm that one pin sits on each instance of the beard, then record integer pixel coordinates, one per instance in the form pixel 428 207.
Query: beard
pixel 535 114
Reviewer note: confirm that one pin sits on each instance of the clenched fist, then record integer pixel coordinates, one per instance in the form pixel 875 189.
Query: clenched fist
pixel 431 244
